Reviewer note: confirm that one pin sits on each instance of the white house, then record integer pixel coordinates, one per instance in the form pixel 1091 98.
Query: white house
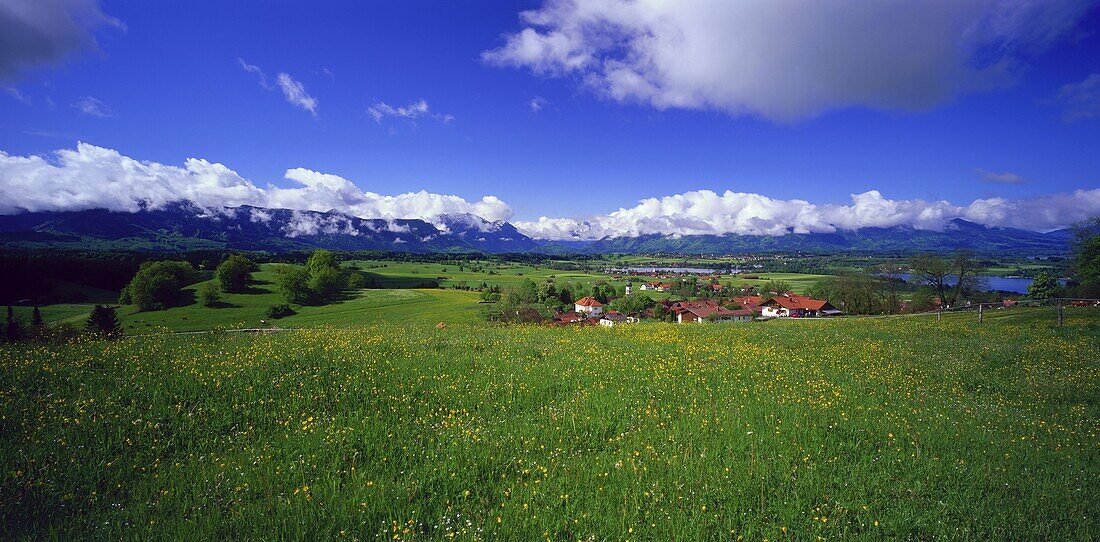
pixel 588 305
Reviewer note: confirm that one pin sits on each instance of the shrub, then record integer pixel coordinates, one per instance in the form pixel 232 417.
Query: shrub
pixel 279 311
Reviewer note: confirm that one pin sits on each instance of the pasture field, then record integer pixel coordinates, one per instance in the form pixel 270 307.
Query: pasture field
pixel 396 294
pixel 361 307
pixel 392 274
pixel 877 429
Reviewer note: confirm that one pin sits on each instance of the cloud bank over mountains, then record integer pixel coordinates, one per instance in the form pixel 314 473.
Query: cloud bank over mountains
pixel 91 177
pixel 786 60
pixel 704 212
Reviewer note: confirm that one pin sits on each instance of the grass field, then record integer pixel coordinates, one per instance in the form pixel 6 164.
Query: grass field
pixel 395 297
pixel 879 429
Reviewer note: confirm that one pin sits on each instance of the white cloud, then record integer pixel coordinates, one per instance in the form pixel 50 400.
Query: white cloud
pixel 537 103
pixel 1002 178
pixel 17 94
pixel 45 31
pixel 705 212
pixel 90 177
pixel 255 70
pixel 412 111
pixel 295 93
pixel 785 60
pixel 92 106
pixel 1080 100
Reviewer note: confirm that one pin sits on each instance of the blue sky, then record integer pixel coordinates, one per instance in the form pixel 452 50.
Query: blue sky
pixel 163 82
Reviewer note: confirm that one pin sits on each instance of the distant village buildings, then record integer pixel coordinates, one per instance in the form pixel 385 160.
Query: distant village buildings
pixel 587 310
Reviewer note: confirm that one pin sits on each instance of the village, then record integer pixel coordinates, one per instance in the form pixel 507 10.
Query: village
pixel 737 308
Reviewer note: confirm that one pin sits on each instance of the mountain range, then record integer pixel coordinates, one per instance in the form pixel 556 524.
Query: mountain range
pixel 184 226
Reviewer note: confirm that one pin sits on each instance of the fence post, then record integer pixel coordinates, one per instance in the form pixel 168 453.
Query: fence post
pixel 1059 313
pixel 939 314
pixel 980 313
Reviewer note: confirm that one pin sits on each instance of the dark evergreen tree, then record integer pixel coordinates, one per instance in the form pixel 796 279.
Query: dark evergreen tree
pixel 12 330
pixel 102 321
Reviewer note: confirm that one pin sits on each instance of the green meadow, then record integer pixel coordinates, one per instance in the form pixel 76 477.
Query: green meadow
pixel 395 296
pixel 876 429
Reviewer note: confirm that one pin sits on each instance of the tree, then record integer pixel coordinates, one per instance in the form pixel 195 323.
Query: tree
pixel 525 293
pixel 565 295
pixel 357 281
pixel 210 294
pixel 102 321
pixel 1043 286
pixel 36 318
pixel 936 272
pixel 320 281
pixel 967 280
pixel 157 284
pixel 933 271
pixel 1086 260
pixel 13 331
pixel 321 259
pixel 326 283
pixel 777 286
pixel 235 273
pixel 890 281
pixel 294 282
pixel 548 293
pixel 661 313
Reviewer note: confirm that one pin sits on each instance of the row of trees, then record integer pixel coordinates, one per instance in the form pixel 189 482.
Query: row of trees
pixel 102 322
pixel 158 285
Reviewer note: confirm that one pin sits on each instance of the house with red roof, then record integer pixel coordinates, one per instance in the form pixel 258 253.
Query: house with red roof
pixel 796 306
pixel 589 306
pixel 705 310
pixel 567 318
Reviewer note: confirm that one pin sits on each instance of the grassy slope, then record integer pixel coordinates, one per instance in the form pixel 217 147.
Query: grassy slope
pixel 878 429
pixel 362 307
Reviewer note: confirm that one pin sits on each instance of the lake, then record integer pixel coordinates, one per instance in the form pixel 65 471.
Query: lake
pixel 1008 284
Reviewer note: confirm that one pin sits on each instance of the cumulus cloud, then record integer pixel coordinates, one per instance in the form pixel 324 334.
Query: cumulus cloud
pixel 91 177
pixel 294 91
pixel 45 31
pixel 704 212
pixel 92 107
pixel 1080 100
pixel 1001 178
pixel 412 111
pixel 785 60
